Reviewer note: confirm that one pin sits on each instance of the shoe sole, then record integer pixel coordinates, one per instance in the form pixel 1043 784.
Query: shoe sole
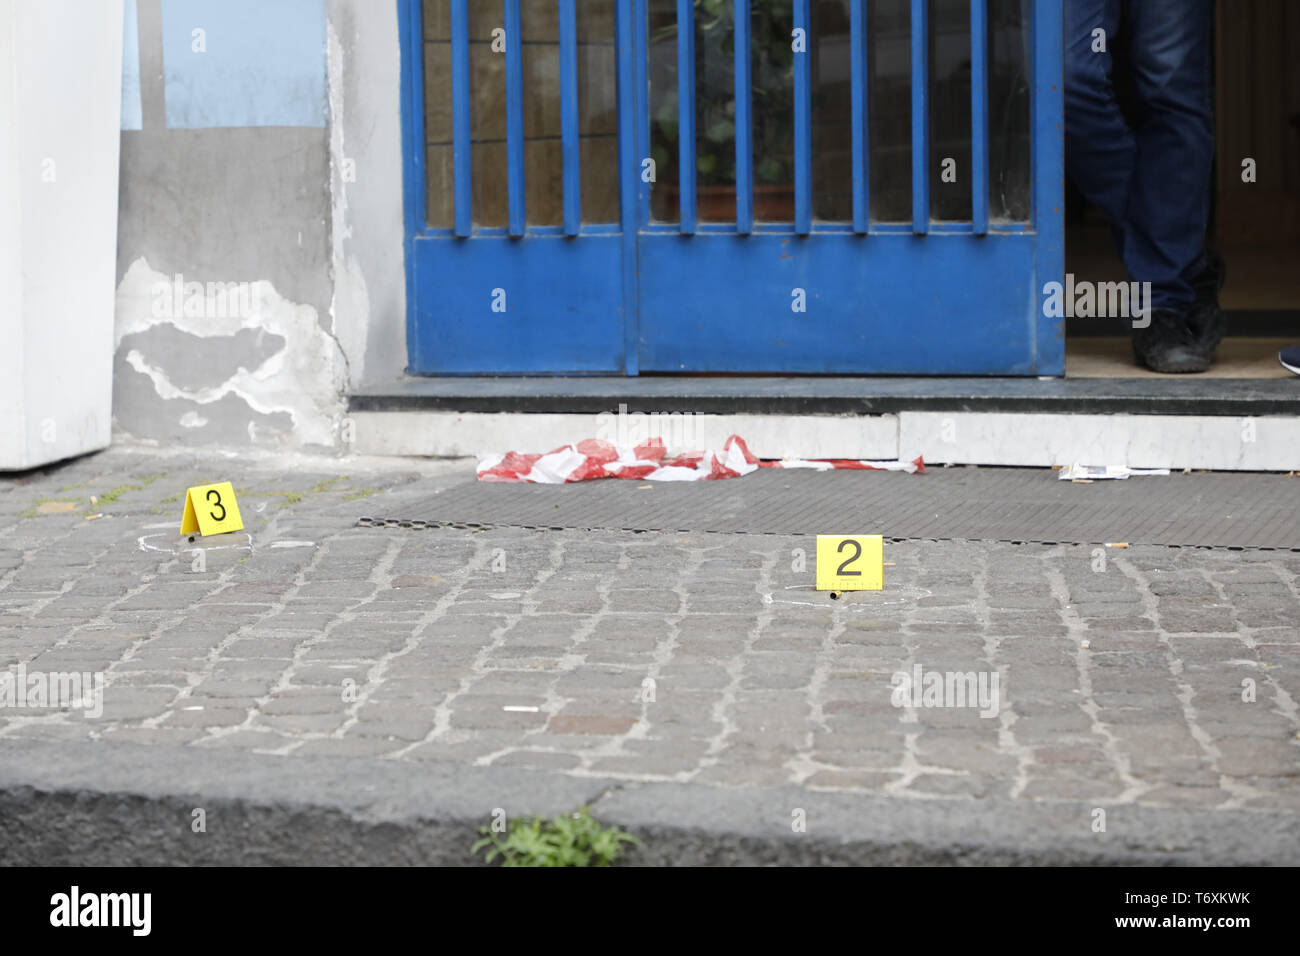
pixel 1290 368
pixel 1179 370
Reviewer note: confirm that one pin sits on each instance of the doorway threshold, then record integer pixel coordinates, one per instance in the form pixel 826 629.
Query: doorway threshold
pixel 836 395
pixel 1191 422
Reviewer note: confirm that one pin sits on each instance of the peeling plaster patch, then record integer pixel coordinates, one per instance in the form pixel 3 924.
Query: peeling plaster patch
pixel 196 363
pixel 138 410
pixel 303 379
pixel 193 420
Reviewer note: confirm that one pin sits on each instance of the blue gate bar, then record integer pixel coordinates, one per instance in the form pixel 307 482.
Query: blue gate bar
pixel 460 149
pixel 629 179
pixel 858 107
pixel 515 115
pixel 569 117
pixel 744 121
pixel 979 117
pixel 803 122
pixel 920 117
pixel 686 113
pixel 641 68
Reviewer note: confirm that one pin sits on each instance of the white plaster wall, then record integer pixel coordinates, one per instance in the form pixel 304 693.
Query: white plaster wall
pixel 12 428
pixel 367 228
pixel 251 206
pixel 60 110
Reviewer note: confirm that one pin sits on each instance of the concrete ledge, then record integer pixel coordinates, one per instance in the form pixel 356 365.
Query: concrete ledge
pixel 459 434
pixel 1216 443
pixel 129 804
pixel 1139 441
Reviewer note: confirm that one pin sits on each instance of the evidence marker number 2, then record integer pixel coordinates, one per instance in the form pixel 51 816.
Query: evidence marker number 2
pixel 850 562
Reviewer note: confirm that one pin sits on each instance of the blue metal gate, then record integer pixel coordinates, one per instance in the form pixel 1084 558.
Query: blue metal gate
pixel 924 292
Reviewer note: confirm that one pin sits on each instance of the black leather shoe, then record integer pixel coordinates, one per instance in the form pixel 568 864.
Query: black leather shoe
pixel 1207 321
pixel 1168 345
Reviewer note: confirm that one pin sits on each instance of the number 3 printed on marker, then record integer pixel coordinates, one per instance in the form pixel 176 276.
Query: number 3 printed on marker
pixel 211 509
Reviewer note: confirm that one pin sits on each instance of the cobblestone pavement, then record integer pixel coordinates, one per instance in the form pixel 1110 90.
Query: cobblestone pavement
pixel 1158 676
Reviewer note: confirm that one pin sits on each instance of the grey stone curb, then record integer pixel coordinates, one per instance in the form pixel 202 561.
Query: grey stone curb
pixel 123 804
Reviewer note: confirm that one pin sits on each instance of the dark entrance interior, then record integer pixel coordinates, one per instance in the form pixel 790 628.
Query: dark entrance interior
pixel 1256 225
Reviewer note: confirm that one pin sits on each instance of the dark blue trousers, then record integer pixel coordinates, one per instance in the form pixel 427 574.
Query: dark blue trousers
pixel 1149 173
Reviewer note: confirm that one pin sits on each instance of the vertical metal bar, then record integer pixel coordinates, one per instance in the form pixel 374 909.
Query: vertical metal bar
pixel 569 117
pixel 515 115
pixel 920 117
pixel 858 107
pixel 641 65
pixel 1047 169
pixel 629 179
pixel 803 122
pixel 686 114
pixel 460 150
pixel 413 67
pixel 979 117
pixel 744 123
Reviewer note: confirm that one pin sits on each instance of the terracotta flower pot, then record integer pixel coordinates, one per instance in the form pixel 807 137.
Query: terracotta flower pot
pixel 718 203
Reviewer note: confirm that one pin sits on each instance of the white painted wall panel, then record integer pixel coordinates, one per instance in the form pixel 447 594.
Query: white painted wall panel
pixel 60 108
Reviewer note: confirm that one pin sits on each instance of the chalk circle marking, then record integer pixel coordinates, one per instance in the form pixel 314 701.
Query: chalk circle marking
pixel 144 542
pixel 850 600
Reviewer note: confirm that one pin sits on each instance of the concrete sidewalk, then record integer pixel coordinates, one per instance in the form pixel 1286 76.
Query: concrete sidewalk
pixel 387 689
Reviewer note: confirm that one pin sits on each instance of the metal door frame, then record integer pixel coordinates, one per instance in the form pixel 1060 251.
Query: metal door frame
pixel 1031 343
pixel 574 307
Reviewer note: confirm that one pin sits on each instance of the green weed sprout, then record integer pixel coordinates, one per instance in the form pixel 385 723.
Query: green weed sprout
pixel 571 839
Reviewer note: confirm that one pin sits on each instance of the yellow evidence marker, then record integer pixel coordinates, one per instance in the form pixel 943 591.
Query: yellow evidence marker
pixel 850 562
pixel 211 509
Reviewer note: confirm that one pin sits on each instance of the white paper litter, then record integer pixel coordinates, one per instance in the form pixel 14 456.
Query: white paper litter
pixel 1077 472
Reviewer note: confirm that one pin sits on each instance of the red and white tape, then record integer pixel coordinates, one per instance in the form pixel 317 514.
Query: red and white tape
pixel 650 461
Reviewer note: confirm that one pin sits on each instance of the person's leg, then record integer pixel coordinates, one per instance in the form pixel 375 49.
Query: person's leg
pixel 1168 44
pixel 1099 146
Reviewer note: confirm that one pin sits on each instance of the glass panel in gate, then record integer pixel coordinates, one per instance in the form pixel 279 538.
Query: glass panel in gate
pixel 957 150
pixel 549 45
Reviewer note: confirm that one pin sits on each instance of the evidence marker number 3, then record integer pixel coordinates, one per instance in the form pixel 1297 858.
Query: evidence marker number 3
pixel 211 509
